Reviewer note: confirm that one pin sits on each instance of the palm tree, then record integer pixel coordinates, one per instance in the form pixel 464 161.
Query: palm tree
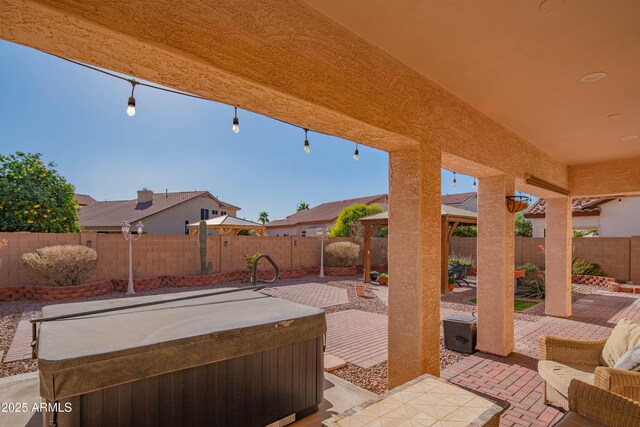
pixel 263 217
pixel 303 206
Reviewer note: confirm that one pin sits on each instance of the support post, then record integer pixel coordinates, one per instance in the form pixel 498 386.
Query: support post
pixel 444 255
pixel 366 255
pixel 558 257
pixel 414 264
pixel 496 258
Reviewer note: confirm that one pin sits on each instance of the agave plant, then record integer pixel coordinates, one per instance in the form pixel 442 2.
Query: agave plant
pixel 533 285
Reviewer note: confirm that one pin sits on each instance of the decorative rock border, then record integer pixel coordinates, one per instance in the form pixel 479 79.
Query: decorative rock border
pixel 63 293
pixel 341 271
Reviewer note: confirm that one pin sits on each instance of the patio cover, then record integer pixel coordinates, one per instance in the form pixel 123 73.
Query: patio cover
pixel 451 218
pixel 228 225
pixel 84 354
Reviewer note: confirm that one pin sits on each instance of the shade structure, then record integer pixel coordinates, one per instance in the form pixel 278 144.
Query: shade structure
pixel 227 225
pixel 451 218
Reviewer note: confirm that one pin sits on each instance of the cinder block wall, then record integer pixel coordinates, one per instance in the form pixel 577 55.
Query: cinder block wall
pixel 619 257
pixel 171 255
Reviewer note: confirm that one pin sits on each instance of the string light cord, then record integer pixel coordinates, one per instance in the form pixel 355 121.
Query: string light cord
pixel 134 83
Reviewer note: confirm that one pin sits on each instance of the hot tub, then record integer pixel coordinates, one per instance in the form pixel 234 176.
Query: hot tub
pixel 237 359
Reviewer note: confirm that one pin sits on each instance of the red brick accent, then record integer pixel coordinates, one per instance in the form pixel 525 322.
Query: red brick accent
pixel 585 279
pixel 61 293
pixel 341 271
pixel 627 289
pixel 614 287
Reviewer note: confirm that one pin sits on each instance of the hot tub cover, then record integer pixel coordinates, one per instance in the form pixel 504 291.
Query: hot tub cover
pixel 88 353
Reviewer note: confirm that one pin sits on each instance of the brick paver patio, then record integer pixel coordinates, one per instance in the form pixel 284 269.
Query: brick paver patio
pixel 20 347
pixel 358 337
pixel 313 294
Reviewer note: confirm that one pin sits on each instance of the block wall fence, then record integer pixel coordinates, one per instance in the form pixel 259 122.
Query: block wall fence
pixel 168 255
pixel 619 257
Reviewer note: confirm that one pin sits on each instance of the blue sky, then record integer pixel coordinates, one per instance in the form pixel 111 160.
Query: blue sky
pixel 76 118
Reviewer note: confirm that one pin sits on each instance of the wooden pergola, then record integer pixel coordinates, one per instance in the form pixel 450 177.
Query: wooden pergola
pixel 228 225
pixel 451 218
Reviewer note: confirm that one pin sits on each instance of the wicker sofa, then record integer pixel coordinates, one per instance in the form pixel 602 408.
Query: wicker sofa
pixel 563 359
pixel 591 406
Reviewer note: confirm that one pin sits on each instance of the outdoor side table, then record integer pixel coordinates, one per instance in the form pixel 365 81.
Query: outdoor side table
pixel 425 401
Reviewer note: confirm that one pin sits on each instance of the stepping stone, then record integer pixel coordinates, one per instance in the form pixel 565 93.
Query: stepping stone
pixel 331 362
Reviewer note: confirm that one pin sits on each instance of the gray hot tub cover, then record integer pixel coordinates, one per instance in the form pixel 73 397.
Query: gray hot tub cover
pixel 89 353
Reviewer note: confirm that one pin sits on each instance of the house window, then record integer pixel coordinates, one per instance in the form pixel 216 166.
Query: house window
pixel 214 212
pixel 304 233
pixel 204 214
pixel 223 212
pixel 285 234
pixel 186 229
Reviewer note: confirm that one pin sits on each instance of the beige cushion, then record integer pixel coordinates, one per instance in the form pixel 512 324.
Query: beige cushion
pixel 573 419
pixel 558 375
pixel 623 338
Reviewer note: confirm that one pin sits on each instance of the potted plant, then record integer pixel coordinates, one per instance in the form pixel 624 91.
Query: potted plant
pixel 373 275
pixel 452 283
pixel 383 279
pixel 360 289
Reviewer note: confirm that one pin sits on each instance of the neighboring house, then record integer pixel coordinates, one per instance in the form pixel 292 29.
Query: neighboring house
pixel 161 213
pixel 609 217
pixel 466 201
pixel 84 199
pixel 306 222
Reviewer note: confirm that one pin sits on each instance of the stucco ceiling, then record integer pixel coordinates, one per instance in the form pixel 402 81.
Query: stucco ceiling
pixel 521 63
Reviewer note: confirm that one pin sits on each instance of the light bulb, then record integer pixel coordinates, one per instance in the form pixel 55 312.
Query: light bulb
pixel 475 185
pixel 236 123
pixel 454 180
pixel 131 107
pixel 356 156
pixel 307 149
pixel 620 201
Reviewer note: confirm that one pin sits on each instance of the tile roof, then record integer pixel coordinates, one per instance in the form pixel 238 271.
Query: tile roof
pixel 444 210
pixel 579 207
pixel 113 213
pixel 456 199
pixel 84 199
pixel 229 221
pixel 326 212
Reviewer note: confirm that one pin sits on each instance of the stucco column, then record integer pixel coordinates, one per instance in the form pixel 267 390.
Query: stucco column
pixel 414 264
pixel 558 257
pixel 496 257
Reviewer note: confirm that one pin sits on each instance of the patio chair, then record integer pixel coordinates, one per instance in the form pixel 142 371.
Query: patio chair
pixel 564 359
pixel 591 406
pixel 459 272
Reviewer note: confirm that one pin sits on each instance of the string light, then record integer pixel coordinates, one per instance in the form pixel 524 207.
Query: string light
pixel 475 184
pixel 236 123
pixel 307 148
pixel 454 180
pixel 131 106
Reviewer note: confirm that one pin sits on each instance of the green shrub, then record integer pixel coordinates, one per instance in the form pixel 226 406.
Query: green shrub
pixel 249 260
pixel 533 283
pixel 528 267
pixel 460 260
pixel 341 254
pixel 63 265
pixel 580 266
pixel 347 224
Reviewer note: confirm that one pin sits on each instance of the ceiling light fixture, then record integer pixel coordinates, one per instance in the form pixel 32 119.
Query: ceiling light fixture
pixel 454 180
pixel 593 77
pixel 475 184
pixel 356 154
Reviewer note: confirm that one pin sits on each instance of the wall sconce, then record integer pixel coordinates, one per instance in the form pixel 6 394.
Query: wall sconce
pixel 226 243
pixel 517 203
